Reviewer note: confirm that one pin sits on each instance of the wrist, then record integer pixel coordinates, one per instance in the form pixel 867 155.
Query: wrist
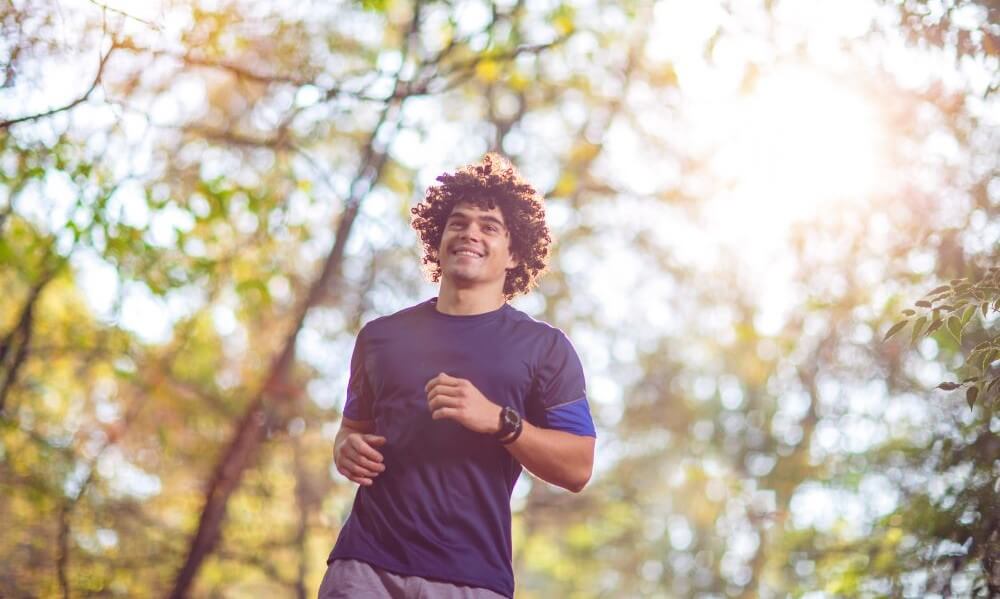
pixel 507 440
pixel 338 444
pixel 509 424
pixel 497 421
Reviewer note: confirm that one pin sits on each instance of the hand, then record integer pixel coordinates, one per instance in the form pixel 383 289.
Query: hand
pixel 459 400
pixel 357 458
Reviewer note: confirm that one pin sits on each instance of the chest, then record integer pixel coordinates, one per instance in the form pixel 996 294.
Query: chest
pixel 399 370
pixel 501 369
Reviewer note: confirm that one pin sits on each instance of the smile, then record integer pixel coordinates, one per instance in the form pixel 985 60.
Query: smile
pixel 470 253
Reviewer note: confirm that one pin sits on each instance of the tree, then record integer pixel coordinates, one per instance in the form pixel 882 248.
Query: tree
pixel 196 223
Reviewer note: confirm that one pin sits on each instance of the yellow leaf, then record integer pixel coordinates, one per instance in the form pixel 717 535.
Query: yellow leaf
pixel 446 34
pixel 893 536
pixel 566 185
pixel 583 152
pixel 518 81
pixel 487 71
pixel 563 19
pixel 564 24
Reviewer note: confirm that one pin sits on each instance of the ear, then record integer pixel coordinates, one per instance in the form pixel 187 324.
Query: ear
pixel 512 262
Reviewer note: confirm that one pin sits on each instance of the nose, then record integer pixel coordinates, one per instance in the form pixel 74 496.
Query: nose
pixel 470 232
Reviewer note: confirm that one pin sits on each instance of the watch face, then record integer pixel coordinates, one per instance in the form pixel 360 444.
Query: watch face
pixel 511 417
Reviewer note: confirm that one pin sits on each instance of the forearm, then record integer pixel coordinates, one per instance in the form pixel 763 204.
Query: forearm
pixel 557 457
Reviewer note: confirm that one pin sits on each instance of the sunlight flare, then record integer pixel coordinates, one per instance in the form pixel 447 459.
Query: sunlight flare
pixel 800 144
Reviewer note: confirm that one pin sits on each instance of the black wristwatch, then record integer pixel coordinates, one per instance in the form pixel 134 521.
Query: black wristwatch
pixel 510 425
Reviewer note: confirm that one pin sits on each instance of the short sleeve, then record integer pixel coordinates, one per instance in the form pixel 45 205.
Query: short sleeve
pixel 358 405
pixel 561 389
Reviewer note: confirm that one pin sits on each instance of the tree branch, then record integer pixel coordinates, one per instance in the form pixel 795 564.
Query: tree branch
pixel 19 338
pixel 242 72
pixel 97 80
pixel 126 15
pixel 461 71
pixel 264 410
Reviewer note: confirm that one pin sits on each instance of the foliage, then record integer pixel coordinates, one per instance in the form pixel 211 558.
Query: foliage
pixel 201 203
pixel 954 305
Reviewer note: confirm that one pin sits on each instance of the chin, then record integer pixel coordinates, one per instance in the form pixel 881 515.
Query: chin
pixel 458 274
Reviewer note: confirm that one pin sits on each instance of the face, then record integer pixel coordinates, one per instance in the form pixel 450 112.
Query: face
pixel 475 247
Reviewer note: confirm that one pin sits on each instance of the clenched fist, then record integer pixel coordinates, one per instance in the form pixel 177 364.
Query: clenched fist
pixel 358 459
pixel 459 400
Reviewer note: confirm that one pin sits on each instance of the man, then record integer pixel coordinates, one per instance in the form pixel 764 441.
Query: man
pixel 448 399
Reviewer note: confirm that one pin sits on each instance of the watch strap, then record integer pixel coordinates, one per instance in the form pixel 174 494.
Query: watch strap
pixel 511 424
pixel 513 437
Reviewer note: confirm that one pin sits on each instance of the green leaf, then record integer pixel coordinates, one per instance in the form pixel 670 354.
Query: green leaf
pixel 374 5
pixel 981 347
pixel 970 396
pixel 948 386
pixel 923 304
pixel 938 290
pixel 909 312
pixel 934 325
pixel 988 357
pixel 955 328
pixel 895 329
pixel 967 316
pixel 918 329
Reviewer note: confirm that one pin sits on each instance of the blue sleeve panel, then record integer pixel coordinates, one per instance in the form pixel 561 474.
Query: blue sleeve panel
pixel 573 417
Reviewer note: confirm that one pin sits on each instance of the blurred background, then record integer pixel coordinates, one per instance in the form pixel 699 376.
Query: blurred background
pixel 201 201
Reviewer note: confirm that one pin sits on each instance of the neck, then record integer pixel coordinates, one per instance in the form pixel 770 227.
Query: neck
pixel 468 302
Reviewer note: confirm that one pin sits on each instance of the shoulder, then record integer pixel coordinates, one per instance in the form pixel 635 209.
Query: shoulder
pixel 388 323
pixel 544 334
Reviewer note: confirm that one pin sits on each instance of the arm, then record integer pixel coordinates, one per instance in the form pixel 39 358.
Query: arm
pixel 557 457
pixel 355 453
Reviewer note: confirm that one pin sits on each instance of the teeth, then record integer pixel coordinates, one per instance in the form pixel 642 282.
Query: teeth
pixel 467 253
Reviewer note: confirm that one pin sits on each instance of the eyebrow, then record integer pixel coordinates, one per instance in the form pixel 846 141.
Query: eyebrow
pixel 486 218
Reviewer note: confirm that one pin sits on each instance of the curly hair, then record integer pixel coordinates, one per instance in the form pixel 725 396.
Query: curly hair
pixel 488 184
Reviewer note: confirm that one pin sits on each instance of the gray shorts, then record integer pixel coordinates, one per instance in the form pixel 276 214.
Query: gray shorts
pixel 354 579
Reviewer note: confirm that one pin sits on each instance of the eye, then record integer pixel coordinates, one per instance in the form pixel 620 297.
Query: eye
pixel 491 228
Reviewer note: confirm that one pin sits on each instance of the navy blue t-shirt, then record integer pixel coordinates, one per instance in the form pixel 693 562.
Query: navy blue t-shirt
pixel 441 508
